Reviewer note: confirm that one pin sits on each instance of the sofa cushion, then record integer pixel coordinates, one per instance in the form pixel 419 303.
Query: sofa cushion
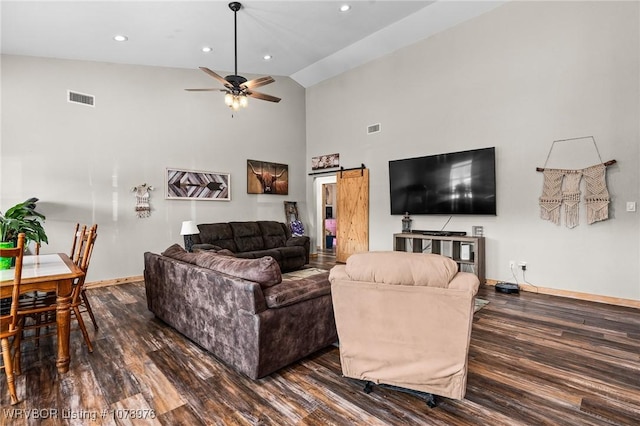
pixel 205 246
pixel 247 236
pixel 212 248
pixel 177 252
pixel 219 234
pixel 395 267
pixel 275 253
pixel 291 291
pixel 264 271
pixel 273 234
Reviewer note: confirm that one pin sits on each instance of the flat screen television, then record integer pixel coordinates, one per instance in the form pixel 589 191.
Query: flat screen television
pixel 447 184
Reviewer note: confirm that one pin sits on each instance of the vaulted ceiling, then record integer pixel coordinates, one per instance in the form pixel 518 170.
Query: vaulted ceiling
pixel 308 40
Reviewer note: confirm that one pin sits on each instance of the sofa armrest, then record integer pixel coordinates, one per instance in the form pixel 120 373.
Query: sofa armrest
pixel 172 284
pixel 290 292
pixel 303 241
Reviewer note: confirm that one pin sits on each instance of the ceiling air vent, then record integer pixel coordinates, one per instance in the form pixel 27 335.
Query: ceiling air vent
pixel 374 128
pixel 81 98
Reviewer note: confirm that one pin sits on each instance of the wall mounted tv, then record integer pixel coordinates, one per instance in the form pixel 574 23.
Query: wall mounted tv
pixel 454 183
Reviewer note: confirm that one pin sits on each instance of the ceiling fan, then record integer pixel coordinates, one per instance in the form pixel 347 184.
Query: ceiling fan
pixel 237 88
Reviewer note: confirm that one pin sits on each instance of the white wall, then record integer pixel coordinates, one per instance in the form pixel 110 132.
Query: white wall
pixel 517 78
pixel 82 162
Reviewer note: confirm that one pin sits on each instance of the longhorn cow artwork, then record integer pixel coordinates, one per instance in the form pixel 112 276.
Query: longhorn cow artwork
pixel 267 178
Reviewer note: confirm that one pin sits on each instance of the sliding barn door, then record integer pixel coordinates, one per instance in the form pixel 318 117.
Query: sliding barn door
pixel 352 234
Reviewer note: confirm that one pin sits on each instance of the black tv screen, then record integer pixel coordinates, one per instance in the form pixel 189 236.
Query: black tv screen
pixel 454 183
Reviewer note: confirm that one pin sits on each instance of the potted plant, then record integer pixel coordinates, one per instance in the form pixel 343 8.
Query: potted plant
pixel 22 217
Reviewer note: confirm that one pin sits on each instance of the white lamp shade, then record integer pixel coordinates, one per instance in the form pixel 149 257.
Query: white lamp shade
pixel 189 228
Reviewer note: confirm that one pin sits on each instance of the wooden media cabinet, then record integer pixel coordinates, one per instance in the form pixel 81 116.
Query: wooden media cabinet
pixel 446 245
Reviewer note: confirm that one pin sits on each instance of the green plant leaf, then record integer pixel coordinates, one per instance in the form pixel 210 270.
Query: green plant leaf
pixel 23 217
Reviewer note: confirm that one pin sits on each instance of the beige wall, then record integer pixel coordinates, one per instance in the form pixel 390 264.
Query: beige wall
pixel 81 162
pixel 517 78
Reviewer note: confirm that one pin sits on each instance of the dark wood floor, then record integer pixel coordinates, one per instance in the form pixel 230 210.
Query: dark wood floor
pixel 534 360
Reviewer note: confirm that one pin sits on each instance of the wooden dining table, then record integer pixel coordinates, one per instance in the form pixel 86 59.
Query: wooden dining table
pixel 49 272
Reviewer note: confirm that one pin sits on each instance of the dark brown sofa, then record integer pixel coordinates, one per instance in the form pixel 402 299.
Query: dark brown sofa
pixel 252 240
pixel 240 310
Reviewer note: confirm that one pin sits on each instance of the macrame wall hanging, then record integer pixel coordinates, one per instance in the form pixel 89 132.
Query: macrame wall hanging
pixel 143 208
pixel 561 187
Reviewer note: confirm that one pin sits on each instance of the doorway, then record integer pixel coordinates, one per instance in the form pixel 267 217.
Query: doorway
pixel 326 213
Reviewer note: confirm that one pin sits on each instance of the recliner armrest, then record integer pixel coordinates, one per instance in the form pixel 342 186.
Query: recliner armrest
pixel 465 281
pixel 302 241
pixel 298 241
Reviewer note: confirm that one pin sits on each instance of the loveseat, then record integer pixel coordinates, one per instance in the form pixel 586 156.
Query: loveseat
pixel 404 319
pixel 240 310
pixel 255 239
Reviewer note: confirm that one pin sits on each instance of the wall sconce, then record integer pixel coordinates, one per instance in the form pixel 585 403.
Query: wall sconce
pixel 188 229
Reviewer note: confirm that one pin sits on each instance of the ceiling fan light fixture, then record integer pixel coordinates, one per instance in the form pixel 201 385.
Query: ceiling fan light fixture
pixel 235 105
pixel 228 99
pixel 237 88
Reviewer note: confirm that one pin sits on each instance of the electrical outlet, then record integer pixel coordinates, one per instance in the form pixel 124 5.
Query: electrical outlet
pixel 523 265
pixel 512 264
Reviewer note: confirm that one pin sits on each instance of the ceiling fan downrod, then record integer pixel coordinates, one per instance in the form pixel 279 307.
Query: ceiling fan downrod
pixel 236 98
pixel 235 6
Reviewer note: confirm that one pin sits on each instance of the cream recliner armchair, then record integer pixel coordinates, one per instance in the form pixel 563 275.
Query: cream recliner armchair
pixel 404 319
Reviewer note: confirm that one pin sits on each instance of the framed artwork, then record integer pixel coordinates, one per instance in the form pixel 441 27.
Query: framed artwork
pixel 197 185
pixel 325 161
pixel 267 178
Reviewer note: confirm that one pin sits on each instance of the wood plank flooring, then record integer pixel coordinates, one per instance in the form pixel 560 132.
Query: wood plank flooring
pixel 534 360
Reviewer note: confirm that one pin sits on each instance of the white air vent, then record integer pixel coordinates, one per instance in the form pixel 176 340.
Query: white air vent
pixel 374 128
pixel 81 98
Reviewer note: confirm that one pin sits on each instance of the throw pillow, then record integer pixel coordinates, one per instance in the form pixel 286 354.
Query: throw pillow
pixel 264 271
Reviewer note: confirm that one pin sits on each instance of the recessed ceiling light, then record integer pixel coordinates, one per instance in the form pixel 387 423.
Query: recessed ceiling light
pixel 120 38
pixel 207 49
pixel 267 57
pixel 344 8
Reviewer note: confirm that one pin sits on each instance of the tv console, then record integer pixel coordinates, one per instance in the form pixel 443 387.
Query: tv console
pixel 439 233
pixel 465 251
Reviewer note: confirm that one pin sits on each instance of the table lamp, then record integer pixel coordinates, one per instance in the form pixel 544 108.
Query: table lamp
pixel 188 229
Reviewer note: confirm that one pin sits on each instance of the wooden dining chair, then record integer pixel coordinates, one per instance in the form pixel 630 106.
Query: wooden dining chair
pixel 74 243
pixel 10 324
pixel 41 309
pixel 79 300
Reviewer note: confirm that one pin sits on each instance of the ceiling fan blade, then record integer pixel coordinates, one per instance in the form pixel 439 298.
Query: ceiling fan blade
pixel 216 76
pixel 257 82
pixel 263 96
pixel 202 90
